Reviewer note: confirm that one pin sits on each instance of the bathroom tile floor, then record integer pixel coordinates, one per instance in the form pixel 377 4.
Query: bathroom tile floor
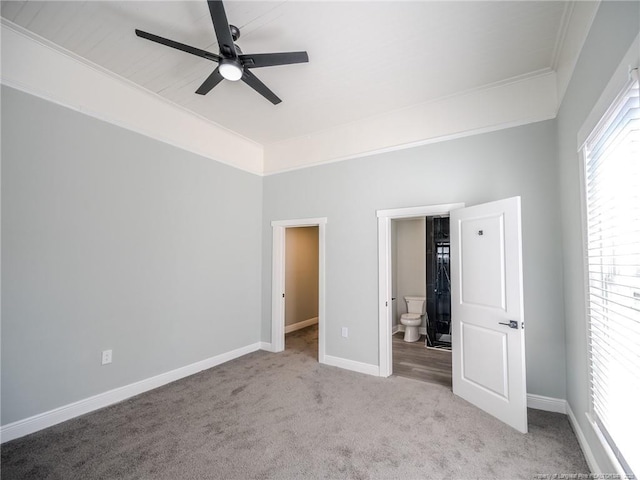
pixel 414 360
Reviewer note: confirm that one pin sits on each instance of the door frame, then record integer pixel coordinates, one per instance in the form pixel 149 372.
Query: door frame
pixel 278 279
pixel 385 360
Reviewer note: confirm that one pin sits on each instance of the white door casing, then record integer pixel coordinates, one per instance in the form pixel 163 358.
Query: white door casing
pixel 488 363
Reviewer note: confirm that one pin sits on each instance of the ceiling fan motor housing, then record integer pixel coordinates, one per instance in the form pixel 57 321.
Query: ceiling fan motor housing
pixel 233 64
pixel 235 32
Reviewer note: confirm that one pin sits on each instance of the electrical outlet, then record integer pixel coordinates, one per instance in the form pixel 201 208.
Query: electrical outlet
pixel 345 332
pixel 107 356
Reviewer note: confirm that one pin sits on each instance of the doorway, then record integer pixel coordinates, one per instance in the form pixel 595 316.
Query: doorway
pixel 279 292
pixel 385 274
pixel 420 270
pixel 301 290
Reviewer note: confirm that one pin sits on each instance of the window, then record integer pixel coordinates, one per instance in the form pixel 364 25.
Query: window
pixel 612 187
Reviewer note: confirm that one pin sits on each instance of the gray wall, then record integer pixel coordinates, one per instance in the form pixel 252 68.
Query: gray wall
pixel 614 28
pixel 518 161
pixel 301 274
pixel 112 240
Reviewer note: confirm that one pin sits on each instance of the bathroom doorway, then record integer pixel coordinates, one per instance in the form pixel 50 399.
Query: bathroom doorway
pixel 301 290
pixel 420 270
pixel 388 313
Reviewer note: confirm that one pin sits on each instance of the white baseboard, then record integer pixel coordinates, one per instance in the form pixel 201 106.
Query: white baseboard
pixel 548 404
pixel 266 346
pixel 300 325
pixel 38 422
pixel 559 405
pixel 352 365
pixel 582 441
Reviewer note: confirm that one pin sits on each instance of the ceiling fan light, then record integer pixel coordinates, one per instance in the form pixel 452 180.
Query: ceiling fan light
pixel 230 70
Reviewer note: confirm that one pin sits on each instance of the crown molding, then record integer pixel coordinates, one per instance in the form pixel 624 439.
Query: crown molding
pixel 576 23
pixel 526 99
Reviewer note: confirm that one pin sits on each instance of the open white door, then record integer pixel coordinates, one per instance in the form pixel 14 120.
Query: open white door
pixel 487 310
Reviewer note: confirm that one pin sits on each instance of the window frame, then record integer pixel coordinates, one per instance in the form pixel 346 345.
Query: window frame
pixel 609 102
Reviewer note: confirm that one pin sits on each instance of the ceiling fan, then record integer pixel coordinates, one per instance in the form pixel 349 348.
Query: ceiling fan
pixel 232 63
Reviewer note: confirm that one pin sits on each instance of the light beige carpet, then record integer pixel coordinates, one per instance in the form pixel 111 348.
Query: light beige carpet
pixel 284 416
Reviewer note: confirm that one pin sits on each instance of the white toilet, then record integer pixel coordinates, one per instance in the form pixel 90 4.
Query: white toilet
pixel 416 307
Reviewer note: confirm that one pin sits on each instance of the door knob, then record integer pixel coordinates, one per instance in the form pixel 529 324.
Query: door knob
pixel 511 324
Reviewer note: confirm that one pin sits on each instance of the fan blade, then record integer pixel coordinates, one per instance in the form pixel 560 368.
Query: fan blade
pixel 272 59
pixel 221 26
pixel 212 80
pixel 251 80
pixel 179 46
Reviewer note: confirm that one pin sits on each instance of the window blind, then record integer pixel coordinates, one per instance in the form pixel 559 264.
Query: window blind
pixel 612 177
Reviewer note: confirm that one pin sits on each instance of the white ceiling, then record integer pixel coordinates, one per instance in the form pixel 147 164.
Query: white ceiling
pixel 367 58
